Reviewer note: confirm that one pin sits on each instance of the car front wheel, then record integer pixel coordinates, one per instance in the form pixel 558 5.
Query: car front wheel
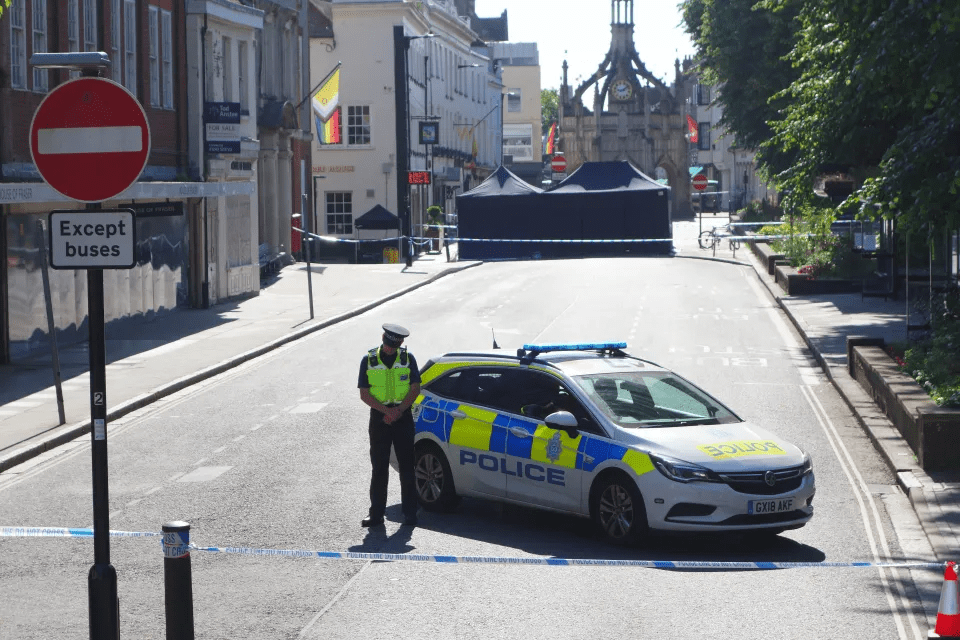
pixel 618 510
pixel 434 480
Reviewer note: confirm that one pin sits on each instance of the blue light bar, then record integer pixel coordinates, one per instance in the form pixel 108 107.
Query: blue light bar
pixel 583 346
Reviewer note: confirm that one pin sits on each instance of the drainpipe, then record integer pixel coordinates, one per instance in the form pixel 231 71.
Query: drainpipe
pixel 205 285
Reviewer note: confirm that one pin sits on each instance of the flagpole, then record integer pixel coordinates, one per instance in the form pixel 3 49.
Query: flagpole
pixel 318 85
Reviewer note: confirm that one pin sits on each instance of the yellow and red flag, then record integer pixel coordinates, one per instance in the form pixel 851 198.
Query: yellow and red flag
pixel 692 130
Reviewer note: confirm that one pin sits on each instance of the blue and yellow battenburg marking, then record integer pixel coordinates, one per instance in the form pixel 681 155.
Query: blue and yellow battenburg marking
pixel 487 433
pixel 738 448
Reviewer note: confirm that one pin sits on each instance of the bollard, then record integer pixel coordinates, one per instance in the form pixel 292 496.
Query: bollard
pixel 177 581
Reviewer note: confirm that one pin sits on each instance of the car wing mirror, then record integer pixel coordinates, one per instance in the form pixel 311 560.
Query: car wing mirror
pixel 563 421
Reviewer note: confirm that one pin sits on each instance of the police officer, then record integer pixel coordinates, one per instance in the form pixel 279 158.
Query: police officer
pixel 389 383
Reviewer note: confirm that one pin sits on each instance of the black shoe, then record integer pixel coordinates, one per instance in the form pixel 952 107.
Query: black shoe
pixel 371 522
pixel 410 521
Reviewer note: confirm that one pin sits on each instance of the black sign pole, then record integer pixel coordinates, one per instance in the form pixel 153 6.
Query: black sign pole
pixel 102 580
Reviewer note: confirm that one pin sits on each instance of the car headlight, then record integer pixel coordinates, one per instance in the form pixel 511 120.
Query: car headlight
pixel 806 467
pixel 680 471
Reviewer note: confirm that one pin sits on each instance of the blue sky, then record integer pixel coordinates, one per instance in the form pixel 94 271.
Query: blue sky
pixel 563 29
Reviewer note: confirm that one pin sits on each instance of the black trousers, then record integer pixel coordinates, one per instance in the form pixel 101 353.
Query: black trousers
pixel 399 435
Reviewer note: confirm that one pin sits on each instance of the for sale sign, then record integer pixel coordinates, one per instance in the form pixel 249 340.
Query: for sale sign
pixel 82 239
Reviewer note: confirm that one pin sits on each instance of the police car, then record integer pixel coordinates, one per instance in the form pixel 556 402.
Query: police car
pixel 589 430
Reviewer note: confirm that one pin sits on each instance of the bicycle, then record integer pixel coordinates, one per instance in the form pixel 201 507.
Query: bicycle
pixel 710 239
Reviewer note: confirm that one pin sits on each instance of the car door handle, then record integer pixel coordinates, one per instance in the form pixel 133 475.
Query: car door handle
pixel 457 415
pixel 520 432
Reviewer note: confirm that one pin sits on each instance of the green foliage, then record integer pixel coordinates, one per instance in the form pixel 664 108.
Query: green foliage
pixel 435 213
pixel 760 211
pixel 549 108
pixel 935 361
pixel 742 46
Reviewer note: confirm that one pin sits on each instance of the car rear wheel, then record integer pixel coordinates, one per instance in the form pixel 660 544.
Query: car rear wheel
pixel 434 480
pixel 618 510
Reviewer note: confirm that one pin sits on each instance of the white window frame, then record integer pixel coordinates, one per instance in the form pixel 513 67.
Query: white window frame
pixel 41 77
pixel 166 43
pixel 116 19
pixel 242 61
pixel 130 45
pixel 352 131
pixel 73 25
pixel 338 212
pixel 18 45
pixel 227 49
pixel 90 25
pixel 154 33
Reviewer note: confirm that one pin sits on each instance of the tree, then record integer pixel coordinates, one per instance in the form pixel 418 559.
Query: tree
pixel 741 49
pixel 549 108
pixel 878 95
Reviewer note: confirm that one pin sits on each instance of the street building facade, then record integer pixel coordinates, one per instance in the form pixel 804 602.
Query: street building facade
pixel 220 82
pixel 409 118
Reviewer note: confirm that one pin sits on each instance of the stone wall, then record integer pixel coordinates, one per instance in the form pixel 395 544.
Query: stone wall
pixel 932 432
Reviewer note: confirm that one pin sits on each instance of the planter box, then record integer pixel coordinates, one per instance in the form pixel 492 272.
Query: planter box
pixel 766 255
pixel 795 284
pixel 932 432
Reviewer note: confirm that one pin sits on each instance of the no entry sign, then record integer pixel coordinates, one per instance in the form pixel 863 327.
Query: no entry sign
pixel 700 182
pixel 558 164
pixel 90 139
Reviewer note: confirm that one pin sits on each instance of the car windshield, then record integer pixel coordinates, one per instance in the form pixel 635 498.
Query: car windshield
pixel 637 400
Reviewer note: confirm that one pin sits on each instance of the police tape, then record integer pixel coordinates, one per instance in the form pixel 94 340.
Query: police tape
pixel 447 559
pixel 567 241
pixel 64 532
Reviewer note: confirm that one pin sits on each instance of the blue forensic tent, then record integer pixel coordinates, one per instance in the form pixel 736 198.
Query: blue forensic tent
pixel 377 218
pixel 598 201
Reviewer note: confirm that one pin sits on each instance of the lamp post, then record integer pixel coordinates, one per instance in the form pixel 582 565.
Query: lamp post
pixel 401 45
pixel 503 98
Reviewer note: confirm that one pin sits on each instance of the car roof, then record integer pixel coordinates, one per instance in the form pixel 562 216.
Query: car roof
pixel 571 362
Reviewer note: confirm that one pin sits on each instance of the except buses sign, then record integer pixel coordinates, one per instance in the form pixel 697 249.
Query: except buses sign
pixel 90 139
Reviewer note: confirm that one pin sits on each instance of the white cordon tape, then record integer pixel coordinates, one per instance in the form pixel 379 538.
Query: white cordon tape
pixel 20 532
pixel 587 241
pixel 63 532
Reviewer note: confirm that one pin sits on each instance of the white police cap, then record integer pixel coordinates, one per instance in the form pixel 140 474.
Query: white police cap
pixel 395 333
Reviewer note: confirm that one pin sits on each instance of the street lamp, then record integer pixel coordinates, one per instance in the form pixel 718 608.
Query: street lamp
pixel 401 45
pixel 503 97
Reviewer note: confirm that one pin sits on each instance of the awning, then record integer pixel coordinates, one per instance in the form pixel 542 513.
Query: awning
pixel 695 170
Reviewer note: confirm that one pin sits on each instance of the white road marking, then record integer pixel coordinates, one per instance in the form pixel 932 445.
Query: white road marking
pixel 219 450
pixel 239 438
pixel 309 407
pixel 204 474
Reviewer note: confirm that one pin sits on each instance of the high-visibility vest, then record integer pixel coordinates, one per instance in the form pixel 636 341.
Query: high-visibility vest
pixel 389 385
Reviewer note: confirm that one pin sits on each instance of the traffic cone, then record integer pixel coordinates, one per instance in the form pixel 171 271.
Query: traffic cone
pixel 948 613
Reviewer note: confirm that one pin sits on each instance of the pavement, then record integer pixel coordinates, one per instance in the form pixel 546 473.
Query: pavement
pixel 154 358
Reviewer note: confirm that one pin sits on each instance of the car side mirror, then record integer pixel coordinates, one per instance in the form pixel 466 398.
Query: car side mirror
pixel 564 421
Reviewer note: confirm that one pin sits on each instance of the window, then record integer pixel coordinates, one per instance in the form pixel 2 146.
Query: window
pixel 703 94
pixel 73 30
pixel 130 45
pixel 208 68
pixel 518 142
pixel 513 101
pixel 339 212
pixel 242 76
pixel 358 125
pixel 117 66
pixel 227 70
pixel 89 25
pixel 73 25
pixel 18 46
pixel 167 48
pixel 703 135
pixel 154 27
pixel 40 76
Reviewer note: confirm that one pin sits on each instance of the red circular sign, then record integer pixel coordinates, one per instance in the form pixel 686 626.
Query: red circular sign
pixel 700 182
pixel 558 164
pixel 90 139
